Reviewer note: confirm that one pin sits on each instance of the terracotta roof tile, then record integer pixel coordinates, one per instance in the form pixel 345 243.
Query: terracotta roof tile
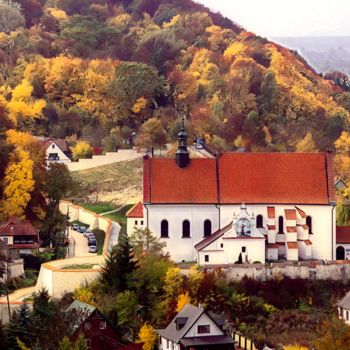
pixel 272 245
pixel 136 211
pixel 271 212
pixel 308 242
pixel 343 234
pixel 290 214
pixel 292 245
pixel 304 226
pixel 271 227
pixel 242 179
pixel 16 227
pixel 291 229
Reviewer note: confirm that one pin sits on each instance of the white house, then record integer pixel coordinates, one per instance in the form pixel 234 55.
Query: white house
pixel 57 151
pixel 343 243
pixel 344 308
pixel 194 328
pixel 194 205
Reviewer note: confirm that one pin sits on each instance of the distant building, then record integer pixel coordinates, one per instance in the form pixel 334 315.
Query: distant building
pixel 21 235
pixel 344 308
pixel 343 243
pixel 245 207
pixel 98 332
pixel 57 151
pixel 135 218
pixel 13 264
pixel 195 328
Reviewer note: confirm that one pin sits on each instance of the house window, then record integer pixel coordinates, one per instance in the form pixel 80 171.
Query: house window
pixel 259 221
pixel 347 315
pixel 167 344
pixel 141 222
pixel 280 224
pixel 186 229
pixel 87 325
pixel 5 239
pixel 207 228
pixel 164 229
pixel 244 249
pixel 204 329
pixel 53 156
pixel 221 245
pixel 103 325
pixel 53 146
pixel 88 343
pixel 206 258
pixel 309 223
pixel 135 222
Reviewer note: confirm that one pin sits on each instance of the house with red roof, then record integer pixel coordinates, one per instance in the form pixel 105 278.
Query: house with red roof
pixel 240 206
pixel 343 243
pixel 135 218
pixel 19 234
pixel 57 151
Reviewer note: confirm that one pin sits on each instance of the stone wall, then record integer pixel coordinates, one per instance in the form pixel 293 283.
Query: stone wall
pixel 333 270
pixel 108 158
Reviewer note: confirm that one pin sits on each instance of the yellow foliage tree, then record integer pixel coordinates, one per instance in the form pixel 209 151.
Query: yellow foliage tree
pixel 85 295
pixel 173 282
pixel 18 184
pixel 147 336
pixel 306 144
pixel 183 300
pixel 139 105
pixel 295 347
pixel 82 150
pixel 195 277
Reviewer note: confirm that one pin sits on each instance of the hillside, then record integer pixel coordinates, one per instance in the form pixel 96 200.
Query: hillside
pixel 105 71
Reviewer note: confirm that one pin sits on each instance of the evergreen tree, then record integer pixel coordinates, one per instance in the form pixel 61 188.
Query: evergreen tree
pixel 119 265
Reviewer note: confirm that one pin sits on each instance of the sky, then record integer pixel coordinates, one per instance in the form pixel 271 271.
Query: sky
pixel 275 18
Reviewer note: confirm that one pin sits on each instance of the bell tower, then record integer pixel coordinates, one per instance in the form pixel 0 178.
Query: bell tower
pixel 182 155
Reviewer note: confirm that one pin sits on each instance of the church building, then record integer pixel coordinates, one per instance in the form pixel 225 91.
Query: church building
pixel 240 207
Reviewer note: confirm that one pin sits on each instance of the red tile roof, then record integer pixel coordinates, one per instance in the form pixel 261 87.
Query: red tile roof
pixel 272 245
pixel 291 229
pixel 62 144
pixel 271 212
pixel 271 227
pixel 292 245
pixel 301 212
pixel 136 211
pixel 210 239
pixel 290 214
pixel 281 178
pixel 16 227
pixel 343 234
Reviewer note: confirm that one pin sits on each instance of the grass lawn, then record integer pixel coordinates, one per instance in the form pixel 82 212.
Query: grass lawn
pixel 100 208
pixel 78 267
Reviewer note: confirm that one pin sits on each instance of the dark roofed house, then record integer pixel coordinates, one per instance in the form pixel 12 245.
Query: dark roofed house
pixel 344 308
pixel 98 332
pixel 21 235
pixel 195 328
pixel 57 151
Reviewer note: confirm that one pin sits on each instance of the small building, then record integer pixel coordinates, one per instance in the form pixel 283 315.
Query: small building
pixel 344 309
pixel 135 218
pixel 343 243
pixel 21 235
pixel 196 329
pixel 98 332
pixel 57 151
pixel 13 264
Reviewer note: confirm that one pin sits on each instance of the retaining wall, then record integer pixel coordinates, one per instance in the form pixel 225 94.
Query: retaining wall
pixel 108 158
pixel 333 270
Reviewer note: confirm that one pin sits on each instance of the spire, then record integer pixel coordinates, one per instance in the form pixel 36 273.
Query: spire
pixel 182 154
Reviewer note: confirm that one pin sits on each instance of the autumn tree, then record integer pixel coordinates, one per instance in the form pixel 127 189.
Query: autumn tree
pixel 183 300
pixel 82 150
pixel 113 141
pixel 143 241
pixel 126 306
pixel 306 144
pixel 151 135
pixel 10 16
pixel 148 337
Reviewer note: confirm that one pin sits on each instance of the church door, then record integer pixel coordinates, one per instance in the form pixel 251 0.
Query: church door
pixel 340 253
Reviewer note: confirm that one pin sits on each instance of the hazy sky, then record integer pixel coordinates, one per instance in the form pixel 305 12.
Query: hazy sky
pixel 287 17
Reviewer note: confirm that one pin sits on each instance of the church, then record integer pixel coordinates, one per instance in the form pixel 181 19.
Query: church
pixel 239 207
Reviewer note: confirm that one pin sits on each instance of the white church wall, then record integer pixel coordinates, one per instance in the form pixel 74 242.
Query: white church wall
pixel 133 223
pixel 182 248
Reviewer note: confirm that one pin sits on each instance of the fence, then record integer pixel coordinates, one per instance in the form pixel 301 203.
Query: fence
pixel 243 342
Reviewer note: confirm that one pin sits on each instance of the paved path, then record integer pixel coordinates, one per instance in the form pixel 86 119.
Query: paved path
pixel 78 245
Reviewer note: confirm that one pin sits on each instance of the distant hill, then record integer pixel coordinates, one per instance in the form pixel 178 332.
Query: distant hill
pixel 325 54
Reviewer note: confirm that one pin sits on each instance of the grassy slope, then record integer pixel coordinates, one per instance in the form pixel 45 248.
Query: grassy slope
pixel 120 183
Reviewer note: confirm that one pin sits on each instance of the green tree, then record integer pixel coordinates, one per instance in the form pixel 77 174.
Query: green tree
pixel 65 344
pixel 80 343
pixel 134 81
pixel 113 141
pixel 143 241
pixel 10 16
pixel 126 306
pixel 269 93
pixel 118 266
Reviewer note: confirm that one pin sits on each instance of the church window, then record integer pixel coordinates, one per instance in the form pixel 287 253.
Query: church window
pixel 164 229
pixel 222 245
pixel 206 258
pixel 141 222
pixel 259 221
pixel 244 249
pixel 207 228
pixel 280 225
pixel 135 222
pixel 186 229
pixel 309 223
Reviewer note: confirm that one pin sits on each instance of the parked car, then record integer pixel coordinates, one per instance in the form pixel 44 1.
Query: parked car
pixel 92 241
pixel 75 227
pixel 93 249
pixel 88 234
pixel 82 229
pixel 200 143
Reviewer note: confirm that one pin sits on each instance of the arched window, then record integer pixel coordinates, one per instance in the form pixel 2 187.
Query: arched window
pixel 259 221
pixel 186 229
pixel 280 224
pixel 207 228
pixel 164 229
pixel 309 223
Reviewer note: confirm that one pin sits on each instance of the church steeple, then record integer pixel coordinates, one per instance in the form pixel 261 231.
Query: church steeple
pixel 182 155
